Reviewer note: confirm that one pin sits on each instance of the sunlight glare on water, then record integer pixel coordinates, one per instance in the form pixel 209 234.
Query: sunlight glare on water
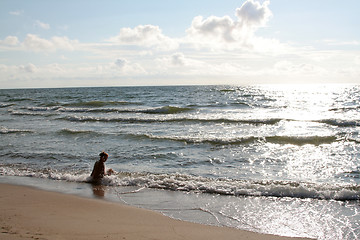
pixel 304 101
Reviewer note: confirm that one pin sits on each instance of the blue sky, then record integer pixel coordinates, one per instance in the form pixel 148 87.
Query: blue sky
pixel 120 43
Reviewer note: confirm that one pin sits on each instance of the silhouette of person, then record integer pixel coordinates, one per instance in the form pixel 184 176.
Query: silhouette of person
pixel 98 171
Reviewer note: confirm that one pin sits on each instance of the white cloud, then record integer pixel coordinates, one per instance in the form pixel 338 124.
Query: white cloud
pixel 10 41
pixel 64 43
pixel 224 32
pixel 145 36
pixel 253 14
pixel 304 69
pixel 180 65
pixel 18 69
pixel 333 42
pixel 35 43
pixel 17 12
pixel 213 32
pixel 29 68
pixel 357 60
pixel 349 72
pixel 54 68
pixel 121 67
pixel 121 63
pixel 42 25
pixel 177 60
pixel 219 27
pixel 272 46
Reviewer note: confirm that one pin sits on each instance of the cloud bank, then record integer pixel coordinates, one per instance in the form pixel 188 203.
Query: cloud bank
pixel 212 50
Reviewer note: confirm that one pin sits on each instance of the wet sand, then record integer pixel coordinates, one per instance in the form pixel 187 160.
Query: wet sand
pixel 28 213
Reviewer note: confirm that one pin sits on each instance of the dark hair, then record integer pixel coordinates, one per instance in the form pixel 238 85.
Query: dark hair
pixel 103 154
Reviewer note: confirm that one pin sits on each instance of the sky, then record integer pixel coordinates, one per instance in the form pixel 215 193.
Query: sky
pixel 180 42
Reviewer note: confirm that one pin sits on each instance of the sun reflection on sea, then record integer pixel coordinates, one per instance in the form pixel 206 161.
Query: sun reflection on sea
pixel 306 102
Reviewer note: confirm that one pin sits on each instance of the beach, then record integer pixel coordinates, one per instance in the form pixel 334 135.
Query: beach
pixel 29 213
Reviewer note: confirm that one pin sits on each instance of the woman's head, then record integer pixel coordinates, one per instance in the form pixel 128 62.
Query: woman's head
pixel 103 156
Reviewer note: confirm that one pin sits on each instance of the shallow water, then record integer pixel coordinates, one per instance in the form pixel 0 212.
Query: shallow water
pixel 273 159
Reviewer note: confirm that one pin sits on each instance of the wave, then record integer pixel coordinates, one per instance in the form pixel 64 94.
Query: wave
pixel 170 110
pixel 4 130
pixel 302 140
pixel 227 90
pixel 341 123
pixel 271 121
pixel 22 171
pixel 344 109
pixel 19 99
pixel 160 110
pixel 100 104
pixel 293 140
pixel 19 113
pixel 72 132
pixel 183 182
pixel 167 110
pixel 90 110
pixel 74 110
pixel 43 109
pixel 87 108
pixel 5 105
pixel 190 183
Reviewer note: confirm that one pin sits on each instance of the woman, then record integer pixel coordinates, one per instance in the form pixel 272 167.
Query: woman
pixel 99 167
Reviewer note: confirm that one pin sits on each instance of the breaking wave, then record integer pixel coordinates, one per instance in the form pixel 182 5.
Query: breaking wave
pixel 183 182
pixel 72 132
pixel 21 113
pixel 293 140
pixel 5 105
pixel 167 110
pixel 174 119
pixel 189 183
pixel 4 130
pixel 96 106
pixel 99 104
pixel 341 123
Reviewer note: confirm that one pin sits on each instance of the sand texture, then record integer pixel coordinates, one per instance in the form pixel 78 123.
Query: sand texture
pixel 28 213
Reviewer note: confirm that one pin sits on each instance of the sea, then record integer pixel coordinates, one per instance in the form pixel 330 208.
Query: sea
pixel 277 159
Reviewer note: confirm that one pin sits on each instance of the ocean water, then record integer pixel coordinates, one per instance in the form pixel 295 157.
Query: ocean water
pixel 278 159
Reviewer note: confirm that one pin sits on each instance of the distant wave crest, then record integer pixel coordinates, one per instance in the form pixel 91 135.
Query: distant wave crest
pixel 166 110
pixel 5 105
pixel 72 132
pixel 341 123
pixel 4 130
pixel 294 140
pixel 98 104
pixel 271 121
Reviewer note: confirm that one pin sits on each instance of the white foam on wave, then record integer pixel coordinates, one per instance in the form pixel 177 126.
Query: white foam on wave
pixel 183 182
pixel 4 130
pixel 45 173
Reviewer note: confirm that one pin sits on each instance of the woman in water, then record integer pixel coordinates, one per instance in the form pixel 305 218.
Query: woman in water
pixel 99 167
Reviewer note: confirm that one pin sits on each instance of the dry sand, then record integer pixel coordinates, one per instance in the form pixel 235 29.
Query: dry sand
pixel 28 213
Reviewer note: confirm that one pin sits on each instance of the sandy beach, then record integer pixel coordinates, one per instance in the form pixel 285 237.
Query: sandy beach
pixel 28 213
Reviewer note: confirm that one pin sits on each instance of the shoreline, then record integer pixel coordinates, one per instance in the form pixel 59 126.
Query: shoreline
pixel 30 213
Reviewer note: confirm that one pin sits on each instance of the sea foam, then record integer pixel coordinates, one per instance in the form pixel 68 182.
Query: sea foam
pixel 187 183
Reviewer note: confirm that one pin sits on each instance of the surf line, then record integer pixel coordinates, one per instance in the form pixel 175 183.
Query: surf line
pixel 118 193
